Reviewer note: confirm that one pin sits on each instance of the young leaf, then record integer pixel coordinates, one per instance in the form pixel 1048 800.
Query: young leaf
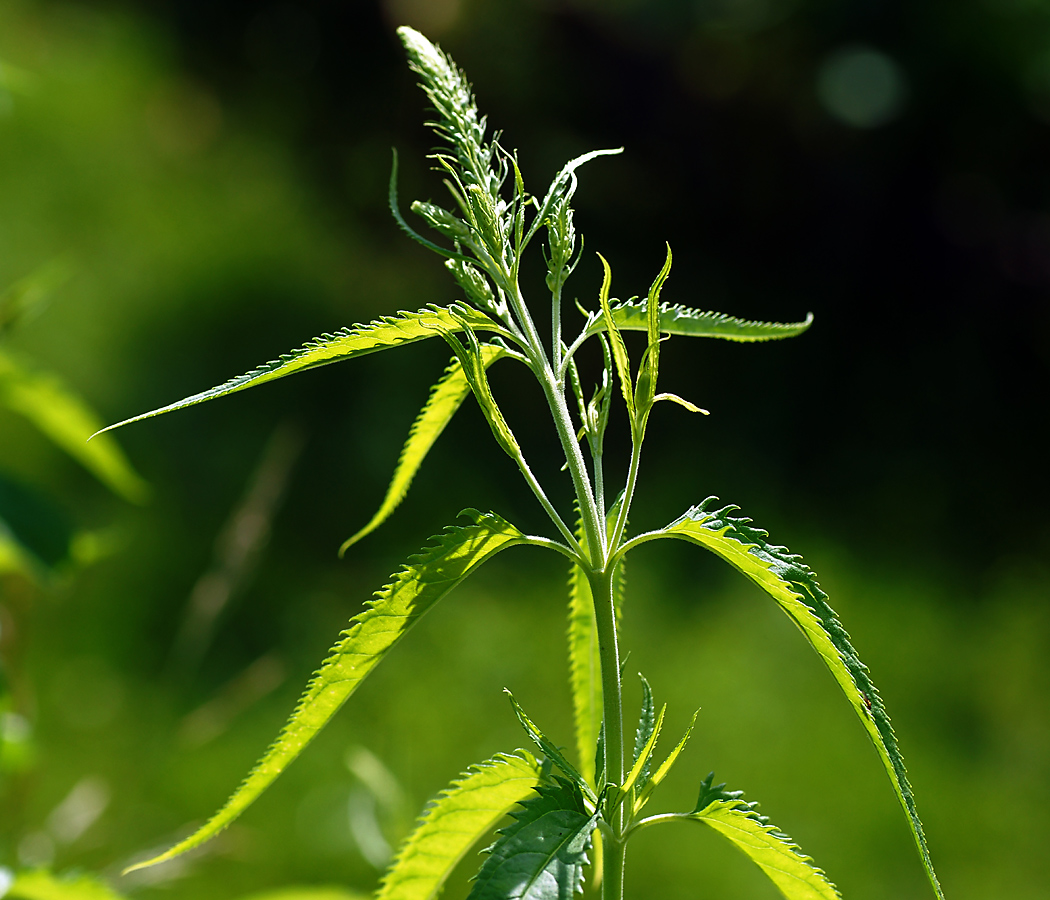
pixel 619 351
pixel 641 763
pixel 646 723
pixel 681 320
pixel 349 343
pixel 645 390
pixel 791 583
pixel 446 397
pixel 454 822
pixel 541 855
pixel 652 783
pixel 771 850
pixel 42 885
pixel 549 749
pixel 424 581
pixel 68 422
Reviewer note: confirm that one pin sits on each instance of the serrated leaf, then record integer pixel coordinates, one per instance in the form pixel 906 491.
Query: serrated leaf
pixel 646 722
pixel 681 320
pixel 453 823
pixel 541 855
pixel 42 885
pixel 67 421
pixel 772 851
pixel 349 343
pixel 790 582
pixel 420 584
pixel 642 761
pixel 664 767
pixel 445 399
pixel 550 750
pixel 619 351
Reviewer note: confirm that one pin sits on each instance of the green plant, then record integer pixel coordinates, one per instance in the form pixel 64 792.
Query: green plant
pixel 561 811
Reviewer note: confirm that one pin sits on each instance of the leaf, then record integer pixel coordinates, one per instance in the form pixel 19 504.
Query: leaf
pixel 454 822
pixel 419 585
pixel 646 723
pixel 42 885
pixel 641 764
pixel 541 855
pixel 619 351
pixel 446 397
pixel 645 390
pixel 549 749
pixel 348 343
pixel 792 584
pixel 68 422
pixel 652 783
pixel 681 320
pixel 771 850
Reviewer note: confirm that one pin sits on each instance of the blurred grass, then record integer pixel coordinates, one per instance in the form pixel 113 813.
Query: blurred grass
pixel 199 248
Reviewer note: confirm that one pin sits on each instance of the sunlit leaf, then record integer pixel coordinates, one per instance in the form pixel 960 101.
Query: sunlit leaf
pixel 792 584
pixel 661 772
pixel 446 397
pixel 550 750
pixel 420 584
pixel 541 855
pixel 771 850
pixel 619 350
pixel 68 422
pixel 42 885
pixel 453 823
pixel 681 320
pixel 349 343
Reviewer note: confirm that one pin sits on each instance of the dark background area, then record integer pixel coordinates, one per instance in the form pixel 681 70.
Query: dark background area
pixel 216 173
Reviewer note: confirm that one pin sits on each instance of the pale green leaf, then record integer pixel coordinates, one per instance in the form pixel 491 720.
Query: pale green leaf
pixel 541 854
pixel 792 584
pixel 424 581
pixel 42 885
pixel 68 422
pixel 644 755
pixel 772 851
pixel 653 782
pixel 550 750
pixel 451 825
pixel 681 320
pixel 309 893
pixel 445 399
pixel 349 343
pixel 619 350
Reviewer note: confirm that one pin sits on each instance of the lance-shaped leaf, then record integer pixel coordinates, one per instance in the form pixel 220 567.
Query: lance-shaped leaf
pixel 646 725
pixel 453 823
pixel 619 351
pixel 541 855
pixel 790 582
pixel 424 580
pixel 649 370
pixel 642 796
pixel 348 343
pixel 772 851
pixel 42 885
pixel 445 399
pixel 552 752
pixel 68 422
pixel 681 320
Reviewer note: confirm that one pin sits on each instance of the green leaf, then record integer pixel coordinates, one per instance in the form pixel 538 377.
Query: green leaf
pixel 771 850
pixel 646 724
pixel 649 370
pixel 68 422
pixel 454 822
pixel 641 763
pixel 446 397
pixel 619 351
pixel 419 585
pixel 42 885
pixel 309 893
pixel 652 783
pixel 681 320
pixel 541 855
pixel 349 343
pixel 549 749
pixel 792 584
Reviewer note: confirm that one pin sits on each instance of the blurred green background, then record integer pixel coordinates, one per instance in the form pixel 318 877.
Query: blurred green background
pixel 192 188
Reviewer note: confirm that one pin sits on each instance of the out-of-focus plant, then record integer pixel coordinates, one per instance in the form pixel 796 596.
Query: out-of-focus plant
pixel 564 813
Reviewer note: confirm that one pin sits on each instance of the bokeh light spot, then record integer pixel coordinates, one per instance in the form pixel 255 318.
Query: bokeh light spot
pixel 861 86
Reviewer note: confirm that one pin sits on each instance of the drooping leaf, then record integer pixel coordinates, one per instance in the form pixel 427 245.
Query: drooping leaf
pixel 790 582
pixel 42 885
pixel 68 422
pixel 349 343
pixel 681 320
pixel 541 855
pixel 423 581
pixel 446 397
pixel 772 851
pixel 453 823
pixel 550 750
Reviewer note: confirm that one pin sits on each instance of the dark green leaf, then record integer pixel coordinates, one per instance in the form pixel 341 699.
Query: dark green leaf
pixel 552 752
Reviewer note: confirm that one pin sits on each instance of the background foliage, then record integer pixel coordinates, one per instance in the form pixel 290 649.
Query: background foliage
pixel 211 177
